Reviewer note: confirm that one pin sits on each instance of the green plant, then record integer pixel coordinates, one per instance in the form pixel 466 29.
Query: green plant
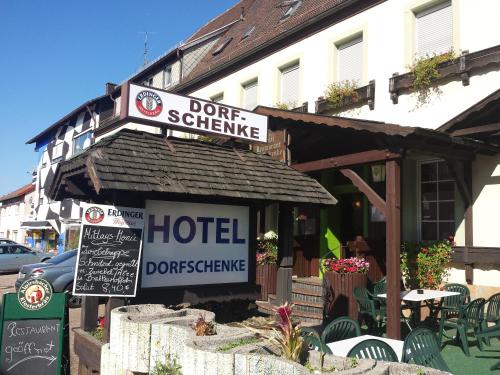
pixel 425 71
pixel 286 106
pixel 420 372
pixel 203 327
pixel 353 362
pixel 170 367
pixel 267 249
pixel 287 335
pixel 234 344
pixel 426 265
pixel 337 92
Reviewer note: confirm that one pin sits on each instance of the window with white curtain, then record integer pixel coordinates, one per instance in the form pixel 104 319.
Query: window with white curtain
pixel 434 29
pixel 250 95
pixel 290 85
pixel 350 60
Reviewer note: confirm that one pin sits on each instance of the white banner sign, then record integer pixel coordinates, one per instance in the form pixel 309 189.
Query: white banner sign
pixel 109 252
pixel 195 115
pixel 194 244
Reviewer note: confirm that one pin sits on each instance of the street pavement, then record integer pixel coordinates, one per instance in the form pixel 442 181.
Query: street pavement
pixel 7 282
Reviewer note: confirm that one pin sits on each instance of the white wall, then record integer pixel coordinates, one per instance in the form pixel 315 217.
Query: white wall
pixel 387 37
pixel 11 216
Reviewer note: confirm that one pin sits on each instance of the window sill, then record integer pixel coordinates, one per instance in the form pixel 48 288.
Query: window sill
pixel 365 95
pixel 462 67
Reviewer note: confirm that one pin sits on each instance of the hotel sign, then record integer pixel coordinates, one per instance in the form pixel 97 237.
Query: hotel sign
pixel 194 244
pixel 194 115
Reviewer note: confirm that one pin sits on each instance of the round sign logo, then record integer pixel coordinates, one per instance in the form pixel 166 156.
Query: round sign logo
pixel 149 103
pixel 34 294
pixel 94 215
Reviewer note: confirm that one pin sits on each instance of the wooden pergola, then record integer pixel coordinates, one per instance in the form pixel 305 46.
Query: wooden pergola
pixel 312 143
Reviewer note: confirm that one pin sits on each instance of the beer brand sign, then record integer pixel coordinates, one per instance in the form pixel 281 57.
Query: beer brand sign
pixel 195 115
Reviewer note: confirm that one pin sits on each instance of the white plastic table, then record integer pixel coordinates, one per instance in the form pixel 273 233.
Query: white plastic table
pixel 413 296
pixel 415 299
pixel 342 347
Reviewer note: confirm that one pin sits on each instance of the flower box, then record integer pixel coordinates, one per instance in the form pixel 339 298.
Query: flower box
pixel 265 277
pixel 340 300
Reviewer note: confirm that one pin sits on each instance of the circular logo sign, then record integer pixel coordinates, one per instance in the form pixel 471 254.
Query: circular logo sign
pixel 34 294
pixel 149 103
pixel 94 215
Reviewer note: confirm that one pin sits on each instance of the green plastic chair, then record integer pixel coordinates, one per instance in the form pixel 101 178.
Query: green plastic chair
pixel 492 316
pixel 367 308
pixel 451 304
pixel 380 287
pixel 340 329
pixel 373 349
pixel 422 348
pixel 313 341
pixel 470 318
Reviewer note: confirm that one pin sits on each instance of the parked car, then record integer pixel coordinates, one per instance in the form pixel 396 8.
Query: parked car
pixel 59 271
pixel 6 241
pixel 14 256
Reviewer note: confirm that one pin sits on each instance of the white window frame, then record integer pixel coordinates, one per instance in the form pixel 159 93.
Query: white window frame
pixel 248 85
pixel 78 136
pixel 295 65
pixel 58 146
pixel 167 72
pixel 426 10
pixel 357 38
pixel 218 98
pixel 419 197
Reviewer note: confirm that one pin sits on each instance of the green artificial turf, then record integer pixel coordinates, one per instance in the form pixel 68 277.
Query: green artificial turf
pixel 478 363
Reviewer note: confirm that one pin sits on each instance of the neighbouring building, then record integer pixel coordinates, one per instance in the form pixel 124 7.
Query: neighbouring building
pixel 15 208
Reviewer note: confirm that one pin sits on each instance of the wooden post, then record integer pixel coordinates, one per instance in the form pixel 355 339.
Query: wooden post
pixel 89 313
pixel 112 303
pixel 285 254
pixel 393 244
pixel 468 218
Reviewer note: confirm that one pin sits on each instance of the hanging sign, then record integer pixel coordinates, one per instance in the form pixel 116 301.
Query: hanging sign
pixel 195 115
pixel 109 251
pixel 34 333
pixel 194 244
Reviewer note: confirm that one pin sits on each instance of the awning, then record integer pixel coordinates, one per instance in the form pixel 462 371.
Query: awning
pixel 40 225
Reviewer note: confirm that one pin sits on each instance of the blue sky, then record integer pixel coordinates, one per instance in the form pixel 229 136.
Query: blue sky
pixel 55 55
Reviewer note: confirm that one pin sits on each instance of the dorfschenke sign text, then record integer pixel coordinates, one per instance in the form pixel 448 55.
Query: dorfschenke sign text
pixel 195 115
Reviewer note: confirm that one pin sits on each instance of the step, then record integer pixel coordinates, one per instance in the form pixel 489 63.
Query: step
pixel 306 292
pixel 298 302
pixel 307 297
pixel 307 285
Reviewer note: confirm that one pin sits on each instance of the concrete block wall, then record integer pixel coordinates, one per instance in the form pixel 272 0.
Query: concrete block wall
pixel 144 335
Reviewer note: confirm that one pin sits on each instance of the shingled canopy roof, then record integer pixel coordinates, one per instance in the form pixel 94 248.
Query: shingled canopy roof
pixel 142 162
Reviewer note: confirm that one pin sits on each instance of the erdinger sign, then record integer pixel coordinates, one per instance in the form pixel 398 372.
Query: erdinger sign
pixel 195 115
pixel 194 244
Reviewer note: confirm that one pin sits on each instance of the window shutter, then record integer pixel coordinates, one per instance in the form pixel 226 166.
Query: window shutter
pixel 290 85
pixel 350 61
pixel 434 30
pixel 250 95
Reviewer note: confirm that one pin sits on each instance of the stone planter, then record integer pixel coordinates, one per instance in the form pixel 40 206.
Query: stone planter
pixel 265 277
pixel 340 287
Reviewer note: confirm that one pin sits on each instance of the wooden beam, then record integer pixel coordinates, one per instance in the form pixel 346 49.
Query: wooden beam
pixel 285 254
pixel 477 129
pixel 361 184
pixel 393 244
pixel 359 158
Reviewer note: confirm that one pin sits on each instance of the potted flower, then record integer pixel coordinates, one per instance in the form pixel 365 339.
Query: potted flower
pixel 267 258
pixel 341 276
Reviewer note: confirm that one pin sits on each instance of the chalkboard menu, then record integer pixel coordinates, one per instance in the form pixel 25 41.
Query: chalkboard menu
pixel 30 346
pixel 109 252
pixel 34 340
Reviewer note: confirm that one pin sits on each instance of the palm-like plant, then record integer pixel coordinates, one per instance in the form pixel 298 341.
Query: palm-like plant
pixel 286 334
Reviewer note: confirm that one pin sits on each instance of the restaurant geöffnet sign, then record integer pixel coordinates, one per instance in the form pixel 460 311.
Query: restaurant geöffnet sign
pixel 195 115
pixel 194 244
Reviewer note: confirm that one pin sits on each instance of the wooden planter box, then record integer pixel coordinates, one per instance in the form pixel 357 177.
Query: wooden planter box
pixel 365 95
pixel 341 301
pixel 265 277
pixel 88 350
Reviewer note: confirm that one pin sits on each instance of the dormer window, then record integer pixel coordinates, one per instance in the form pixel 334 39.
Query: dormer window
pixel 221 46
pixel 247 33
pixel 291 7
